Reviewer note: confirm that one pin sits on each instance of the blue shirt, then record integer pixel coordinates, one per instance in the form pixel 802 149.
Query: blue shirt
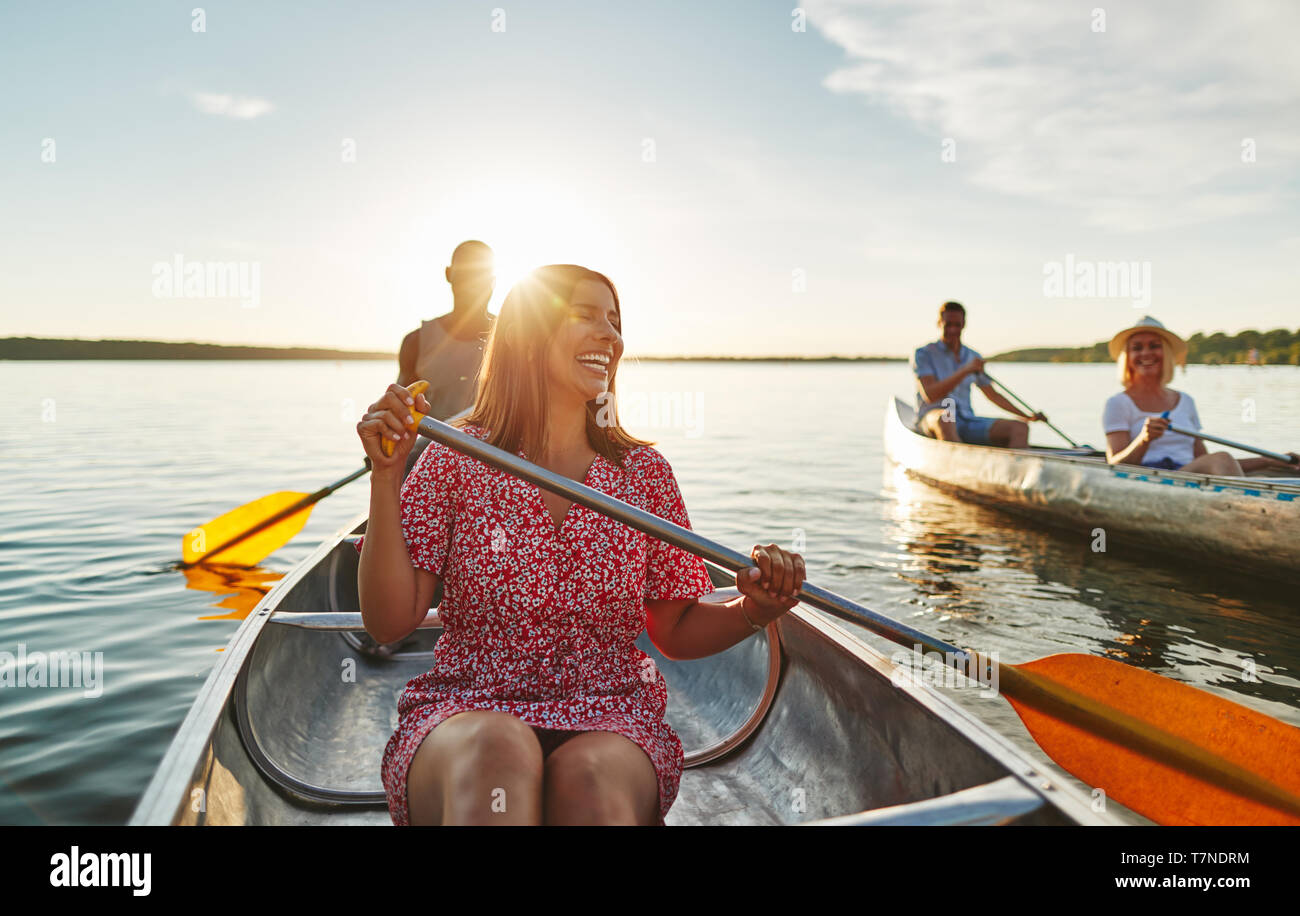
pixel 937 360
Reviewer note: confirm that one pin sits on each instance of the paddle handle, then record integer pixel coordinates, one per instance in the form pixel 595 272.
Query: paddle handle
pixel 675 535
pixel 419 387
pixel 1276 456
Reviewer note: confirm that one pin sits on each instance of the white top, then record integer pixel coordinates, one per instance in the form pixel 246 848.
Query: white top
pixel 1122 415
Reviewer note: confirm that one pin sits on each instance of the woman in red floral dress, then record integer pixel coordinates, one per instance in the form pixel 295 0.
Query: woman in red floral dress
pixel 539 707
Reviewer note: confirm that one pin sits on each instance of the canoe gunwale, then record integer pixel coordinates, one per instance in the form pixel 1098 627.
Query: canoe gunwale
pixel 1032 775
pixel 187 755
pixel 1001 801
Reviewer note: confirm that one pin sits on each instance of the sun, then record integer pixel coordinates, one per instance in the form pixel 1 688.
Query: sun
pixel 525 225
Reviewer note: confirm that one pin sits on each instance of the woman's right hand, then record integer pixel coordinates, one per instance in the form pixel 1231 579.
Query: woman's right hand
pixel 387 418
pixel 772 584
pixel 1153 428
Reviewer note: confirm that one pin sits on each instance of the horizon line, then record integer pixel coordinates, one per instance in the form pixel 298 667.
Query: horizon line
pixel 336 353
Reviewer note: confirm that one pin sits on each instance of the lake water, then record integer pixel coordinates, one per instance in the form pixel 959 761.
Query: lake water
pixel 107 464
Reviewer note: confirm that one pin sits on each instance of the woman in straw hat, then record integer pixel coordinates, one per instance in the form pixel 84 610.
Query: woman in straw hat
pixel 1136 430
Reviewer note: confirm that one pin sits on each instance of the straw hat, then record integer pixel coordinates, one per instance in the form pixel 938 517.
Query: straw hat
pixel 1119 342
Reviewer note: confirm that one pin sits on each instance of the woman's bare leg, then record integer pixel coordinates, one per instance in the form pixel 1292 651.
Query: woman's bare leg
pixel 477 767
pixel 600 778
pixel 1219 463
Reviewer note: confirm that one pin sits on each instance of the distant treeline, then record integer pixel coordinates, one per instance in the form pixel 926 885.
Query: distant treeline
pixel 1280 347
pixel 55 348
pixel 769 359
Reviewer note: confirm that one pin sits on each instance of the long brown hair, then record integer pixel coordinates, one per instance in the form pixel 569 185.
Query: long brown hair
pixel 510 400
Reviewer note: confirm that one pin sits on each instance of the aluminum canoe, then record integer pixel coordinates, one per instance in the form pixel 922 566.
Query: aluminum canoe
pixel 1247 524
pixel 803 723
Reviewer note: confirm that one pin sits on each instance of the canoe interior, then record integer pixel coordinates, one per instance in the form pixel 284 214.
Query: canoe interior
pixel 839 738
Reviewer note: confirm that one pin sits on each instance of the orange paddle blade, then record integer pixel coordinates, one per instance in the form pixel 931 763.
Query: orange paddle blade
pixel 205 540
pixel 1171 752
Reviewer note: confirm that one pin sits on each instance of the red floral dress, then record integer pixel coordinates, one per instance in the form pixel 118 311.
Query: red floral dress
pixel 538 622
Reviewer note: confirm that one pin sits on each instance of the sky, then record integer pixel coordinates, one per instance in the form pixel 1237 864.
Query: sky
pixel 756 178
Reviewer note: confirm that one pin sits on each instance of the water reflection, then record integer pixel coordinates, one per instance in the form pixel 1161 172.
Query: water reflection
pixel 241 587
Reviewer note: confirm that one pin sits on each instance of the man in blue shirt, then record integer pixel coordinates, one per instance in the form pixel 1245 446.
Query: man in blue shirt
pixel 944 371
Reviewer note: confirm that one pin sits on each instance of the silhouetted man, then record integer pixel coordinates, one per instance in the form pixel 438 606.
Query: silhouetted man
pixel 446 352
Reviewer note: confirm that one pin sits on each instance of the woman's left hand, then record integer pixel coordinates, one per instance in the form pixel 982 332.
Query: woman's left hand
pixel 770 589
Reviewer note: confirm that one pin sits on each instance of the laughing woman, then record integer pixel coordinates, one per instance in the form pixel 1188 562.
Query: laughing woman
pixel 1136 430
pixel 539 708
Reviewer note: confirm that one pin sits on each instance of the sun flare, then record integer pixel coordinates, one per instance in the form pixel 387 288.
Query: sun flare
pixel 526 227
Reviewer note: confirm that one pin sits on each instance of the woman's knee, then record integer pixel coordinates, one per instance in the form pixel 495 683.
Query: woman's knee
pixel 488 740
pixel 1226 465
pixel 606 779
pixel 479 761
pixel 1221 464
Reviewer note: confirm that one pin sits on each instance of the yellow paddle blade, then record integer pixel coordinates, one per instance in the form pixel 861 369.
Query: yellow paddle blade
pixel 1176 754
pixel 205 540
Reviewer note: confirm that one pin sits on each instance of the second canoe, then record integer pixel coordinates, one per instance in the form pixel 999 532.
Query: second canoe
pixel 1247 524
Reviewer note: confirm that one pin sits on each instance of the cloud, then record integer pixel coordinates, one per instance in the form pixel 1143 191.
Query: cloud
pixel 1138 127
pixel 230 106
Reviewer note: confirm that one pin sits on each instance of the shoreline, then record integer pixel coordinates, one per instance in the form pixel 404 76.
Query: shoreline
pixel 49 349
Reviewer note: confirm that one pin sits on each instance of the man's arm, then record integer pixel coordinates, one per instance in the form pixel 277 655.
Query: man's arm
pixel 996 397
pixel 406 358
pixel 934 390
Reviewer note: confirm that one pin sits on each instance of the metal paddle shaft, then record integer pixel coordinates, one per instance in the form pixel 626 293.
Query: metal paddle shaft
pixel 1276 456
pixel 676 535
pixel 1073 444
